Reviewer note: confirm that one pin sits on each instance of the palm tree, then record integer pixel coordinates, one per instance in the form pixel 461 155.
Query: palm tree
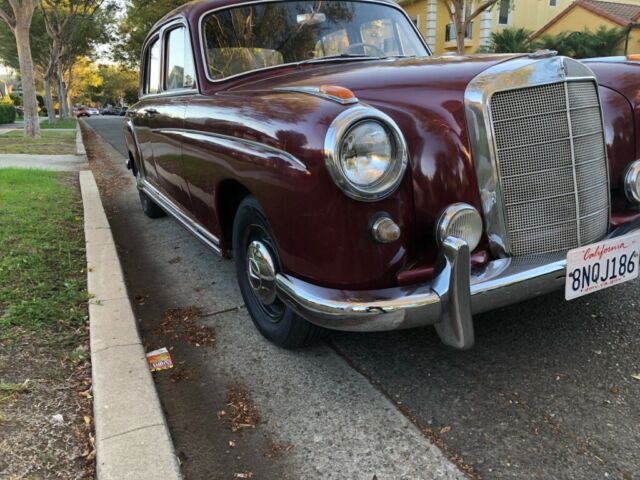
pixel 511 40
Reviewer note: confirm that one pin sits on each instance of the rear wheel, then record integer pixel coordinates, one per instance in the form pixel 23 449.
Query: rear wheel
pixel 257 264
pixel 149 207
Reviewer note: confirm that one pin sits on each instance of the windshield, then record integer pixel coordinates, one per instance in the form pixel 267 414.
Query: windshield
pixel 262 35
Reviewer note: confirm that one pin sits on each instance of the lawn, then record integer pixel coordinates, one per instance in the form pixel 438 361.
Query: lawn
pixel 59 123
pixel 42 261
pixel 51 142
pixel 45 419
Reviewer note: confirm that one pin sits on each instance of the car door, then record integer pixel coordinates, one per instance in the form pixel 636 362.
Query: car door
pixel 142 115
pixel 167 117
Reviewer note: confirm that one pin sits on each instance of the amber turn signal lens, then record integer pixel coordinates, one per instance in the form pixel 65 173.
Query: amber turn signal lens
pixel 634 57
pixel 338 92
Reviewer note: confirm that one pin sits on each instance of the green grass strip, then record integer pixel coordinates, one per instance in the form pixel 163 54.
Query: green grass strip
pixel 42 257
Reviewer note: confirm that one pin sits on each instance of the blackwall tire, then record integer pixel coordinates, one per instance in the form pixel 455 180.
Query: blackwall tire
pixel 275 321
pixel 149 207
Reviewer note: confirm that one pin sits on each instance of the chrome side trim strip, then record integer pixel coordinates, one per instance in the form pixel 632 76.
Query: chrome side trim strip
pixel 231 142
pixel 172 209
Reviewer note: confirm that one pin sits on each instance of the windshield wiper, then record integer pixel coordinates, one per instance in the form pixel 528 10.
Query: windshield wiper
pixel 340 56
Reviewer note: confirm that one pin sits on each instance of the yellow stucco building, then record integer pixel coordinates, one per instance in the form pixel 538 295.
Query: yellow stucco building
pixel 432 19
pixel 591 14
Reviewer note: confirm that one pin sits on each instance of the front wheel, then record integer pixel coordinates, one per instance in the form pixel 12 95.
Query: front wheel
pixel 257 264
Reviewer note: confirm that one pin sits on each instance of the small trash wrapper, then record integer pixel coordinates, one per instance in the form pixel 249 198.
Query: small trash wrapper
pixel 159 360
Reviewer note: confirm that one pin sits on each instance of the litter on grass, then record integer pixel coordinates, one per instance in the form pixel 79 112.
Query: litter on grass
pixel 159 360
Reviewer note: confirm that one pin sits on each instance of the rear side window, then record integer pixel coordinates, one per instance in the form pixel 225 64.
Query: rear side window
pixel 180 72
pixel 152 77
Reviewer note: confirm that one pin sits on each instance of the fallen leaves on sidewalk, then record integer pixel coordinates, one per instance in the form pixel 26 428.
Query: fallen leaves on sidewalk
pixel 179 324
pixel 243 413
pixel 636 376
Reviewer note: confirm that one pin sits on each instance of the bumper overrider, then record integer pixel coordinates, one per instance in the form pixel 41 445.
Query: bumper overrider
pixel 448 302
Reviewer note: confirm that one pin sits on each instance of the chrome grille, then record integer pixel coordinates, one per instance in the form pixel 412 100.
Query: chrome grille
pixel 552 164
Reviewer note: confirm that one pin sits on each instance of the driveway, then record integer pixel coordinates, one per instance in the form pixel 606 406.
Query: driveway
pixel 547 392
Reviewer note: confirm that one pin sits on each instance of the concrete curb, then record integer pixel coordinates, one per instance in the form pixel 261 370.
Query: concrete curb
pixel 80 150
pixel 132 437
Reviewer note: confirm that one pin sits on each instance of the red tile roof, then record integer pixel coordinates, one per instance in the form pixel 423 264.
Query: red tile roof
pixel 617 12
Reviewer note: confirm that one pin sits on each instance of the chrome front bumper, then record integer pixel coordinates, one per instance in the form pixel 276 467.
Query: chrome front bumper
pixel 448 302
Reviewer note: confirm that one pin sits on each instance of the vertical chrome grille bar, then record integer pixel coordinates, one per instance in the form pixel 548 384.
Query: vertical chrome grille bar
pixel 573 162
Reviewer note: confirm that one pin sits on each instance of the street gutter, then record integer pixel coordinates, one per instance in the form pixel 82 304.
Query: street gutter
pixel 132 437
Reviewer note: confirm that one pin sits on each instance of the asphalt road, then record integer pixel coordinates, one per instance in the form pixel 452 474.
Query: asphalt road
pixel 547 392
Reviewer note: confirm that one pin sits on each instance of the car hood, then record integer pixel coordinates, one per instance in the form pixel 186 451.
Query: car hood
pixel 380 79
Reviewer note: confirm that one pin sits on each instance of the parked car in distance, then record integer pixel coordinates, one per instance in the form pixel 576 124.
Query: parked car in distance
pixel 83 112
pixel 362 184
pixel 93 111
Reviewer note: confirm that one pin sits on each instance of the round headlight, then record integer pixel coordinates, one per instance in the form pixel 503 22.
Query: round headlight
pixel 365 153
pixel 462 221
pixel 632 182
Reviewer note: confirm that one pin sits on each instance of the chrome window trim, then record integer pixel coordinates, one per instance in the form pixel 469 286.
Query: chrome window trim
pixel 159 33
pixel 203 54
pixel 516 73
pixel 333 143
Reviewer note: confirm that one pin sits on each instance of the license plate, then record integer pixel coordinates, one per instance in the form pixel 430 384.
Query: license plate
pixel 602 265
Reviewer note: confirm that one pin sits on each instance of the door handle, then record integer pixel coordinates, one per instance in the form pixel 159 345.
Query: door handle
pixel 150 111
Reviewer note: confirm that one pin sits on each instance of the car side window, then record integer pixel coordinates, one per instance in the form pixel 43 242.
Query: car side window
pixel 152 77
pixel 179 70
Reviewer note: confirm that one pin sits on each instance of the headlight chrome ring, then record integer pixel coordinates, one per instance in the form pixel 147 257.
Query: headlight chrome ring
pixel 462 221
pixel 632 182
pixel 334 141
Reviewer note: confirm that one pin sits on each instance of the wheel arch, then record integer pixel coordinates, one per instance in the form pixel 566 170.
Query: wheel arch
pixel 229 195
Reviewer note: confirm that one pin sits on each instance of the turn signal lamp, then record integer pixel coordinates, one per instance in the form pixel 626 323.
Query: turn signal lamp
pixel 338 92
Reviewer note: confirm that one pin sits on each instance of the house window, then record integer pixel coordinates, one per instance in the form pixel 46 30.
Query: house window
pixel 553 3
pixel 503 17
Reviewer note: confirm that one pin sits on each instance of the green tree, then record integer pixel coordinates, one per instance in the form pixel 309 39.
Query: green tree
pixel 604 42
pixel 140 16
pixel 119 85
pixel 511 40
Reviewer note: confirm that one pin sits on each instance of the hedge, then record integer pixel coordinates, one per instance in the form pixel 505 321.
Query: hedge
pixel 7 113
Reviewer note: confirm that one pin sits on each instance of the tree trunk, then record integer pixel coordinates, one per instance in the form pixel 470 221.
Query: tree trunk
pixel 460 31
pixel 48 100
pixel 62 96
pixel 31 121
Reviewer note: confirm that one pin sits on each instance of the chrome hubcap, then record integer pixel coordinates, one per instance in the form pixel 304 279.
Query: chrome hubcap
pixel 261 272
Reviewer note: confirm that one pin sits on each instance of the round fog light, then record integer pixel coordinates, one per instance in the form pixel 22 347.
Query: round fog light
pixel 632 182
pixel 462 221
pixel 385 230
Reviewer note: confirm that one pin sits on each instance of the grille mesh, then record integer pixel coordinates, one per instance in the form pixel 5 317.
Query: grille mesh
pixel 552 166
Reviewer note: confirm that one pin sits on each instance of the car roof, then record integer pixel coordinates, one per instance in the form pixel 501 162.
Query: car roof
pixel 194 9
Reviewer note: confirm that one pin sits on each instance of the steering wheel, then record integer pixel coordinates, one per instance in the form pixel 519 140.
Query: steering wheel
pixel 369 45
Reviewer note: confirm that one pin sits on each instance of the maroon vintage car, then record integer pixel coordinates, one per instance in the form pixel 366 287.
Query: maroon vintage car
pixel 363 184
